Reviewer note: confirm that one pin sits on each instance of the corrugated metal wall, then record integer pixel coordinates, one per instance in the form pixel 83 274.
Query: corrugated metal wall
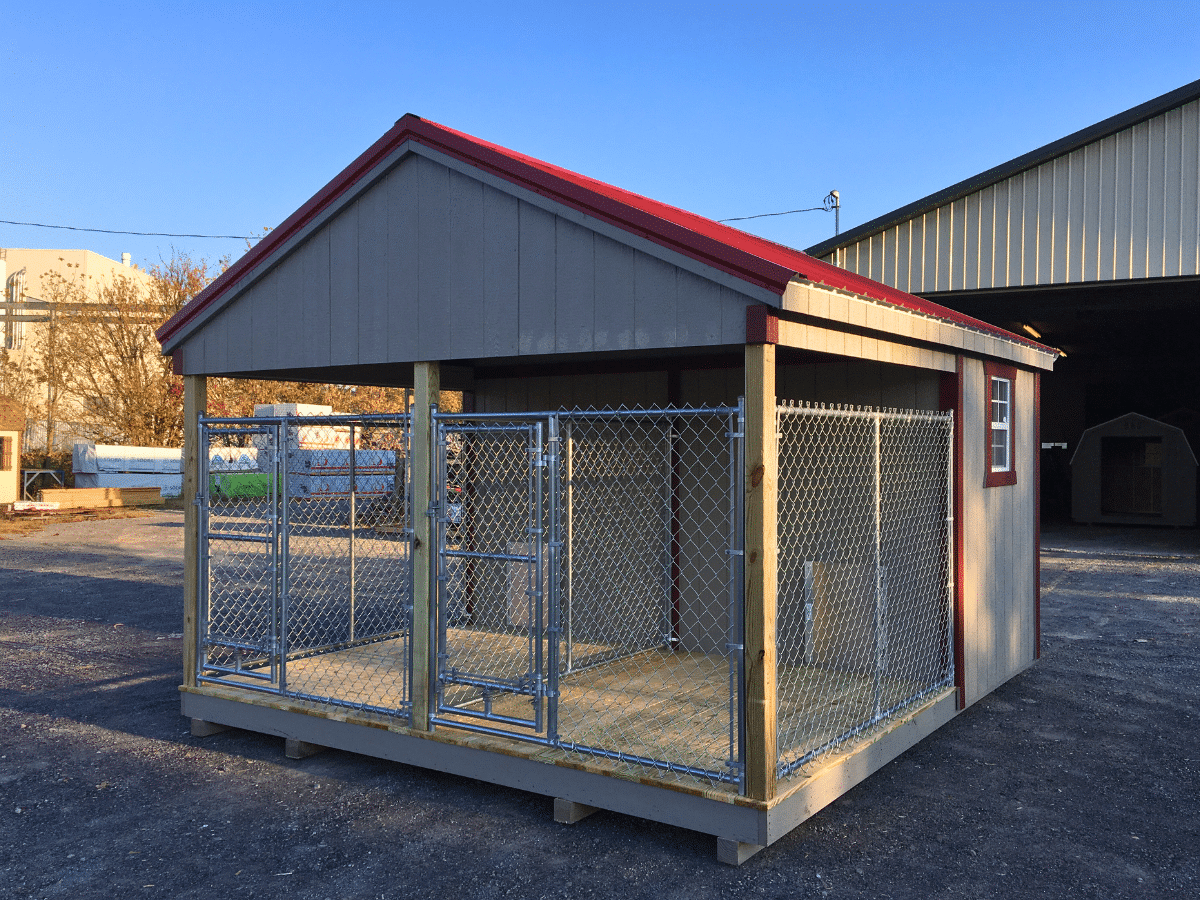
pixel 1126 206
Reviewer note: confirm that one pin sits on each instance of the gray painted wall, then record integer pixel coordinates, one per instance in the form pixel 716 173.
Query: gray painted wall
pixel 1127 206
pixel 430 263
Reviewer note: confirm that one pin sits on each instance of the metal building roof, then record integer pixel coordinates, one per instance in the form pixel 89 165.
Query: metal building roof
pixel 1053 150
pixel 755 260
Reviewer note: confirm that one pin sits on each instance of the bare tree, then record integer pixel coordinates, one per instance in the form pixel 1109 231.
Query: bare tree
pixel 101 360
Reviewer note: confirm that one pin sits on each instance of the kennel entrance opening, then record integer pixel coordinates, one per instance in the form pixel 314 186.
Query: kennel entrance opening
pixel 589 583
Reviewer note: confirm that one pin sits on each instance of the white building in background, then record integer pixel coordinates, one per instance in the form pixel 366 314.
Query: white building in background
pixel 26 275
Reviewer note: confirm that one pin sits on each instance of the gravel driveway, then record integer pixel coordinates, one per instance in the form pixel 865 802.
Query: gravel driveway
pixel 1079 778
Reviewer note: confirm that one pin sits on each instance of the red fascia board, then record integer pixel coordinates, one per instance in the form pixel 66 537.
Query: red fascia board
pixel 665 225
pixel 752 259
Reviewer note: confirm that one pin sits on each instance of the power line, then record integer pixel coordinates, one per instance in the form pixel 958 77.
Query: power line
pixel 832 203
pixel 786 212
pixel 236 237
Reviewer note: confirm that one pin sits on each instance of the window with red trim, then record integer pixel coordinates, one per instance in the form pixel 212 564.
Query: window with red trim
pixel 6 454
pixel 1001 463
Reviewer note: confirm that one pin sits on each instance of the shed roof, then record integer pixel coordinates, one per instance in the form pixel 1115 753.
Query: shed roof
pixel 752 259
pixel 1143 425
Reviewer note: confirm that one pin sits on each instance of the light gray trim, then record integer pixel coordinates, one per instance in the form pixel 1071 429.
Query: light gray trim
pixel 658 804
pixel 730 821
pixel 835 780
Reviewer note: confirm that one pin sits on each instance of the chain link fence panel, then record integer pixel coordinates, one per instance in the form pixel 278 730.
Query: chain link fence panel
pixel 864 601
pixel 591 582
pixel 307 537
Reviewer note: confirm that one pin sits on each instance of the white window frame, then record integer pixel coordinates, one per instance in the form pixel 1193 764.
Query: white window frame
pixel 1001 411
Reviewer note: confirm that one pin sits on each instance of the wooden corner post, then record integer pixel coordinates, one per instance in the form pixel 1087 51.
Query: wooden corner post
pixel 195 404
pixel 427 381
pixel 761 540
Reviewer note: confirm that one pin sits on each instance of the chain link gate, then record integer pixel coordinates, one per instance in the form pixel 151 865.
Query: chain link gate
pixel 495 545
pixel 306 558
pixel 241 565
pixel 589 583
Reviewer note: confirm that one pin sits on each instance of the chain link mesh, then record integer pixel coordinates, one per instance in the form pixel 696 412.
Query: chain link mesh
pixel 322 589
pixel 863 616
pixel 589 574
pixel 618 542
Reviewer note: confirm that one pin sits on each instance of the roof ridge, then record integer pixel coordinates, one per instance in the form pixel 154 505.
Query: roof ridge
pixel 747 257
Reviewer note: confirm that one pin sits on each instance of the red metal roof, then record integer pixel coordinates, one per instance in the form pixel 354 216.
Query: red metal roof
pixel 753 259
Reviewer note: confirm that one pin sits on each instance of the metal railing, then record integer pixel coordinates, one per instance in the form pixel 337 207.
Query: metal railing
pixel 306 558
pixel 864 612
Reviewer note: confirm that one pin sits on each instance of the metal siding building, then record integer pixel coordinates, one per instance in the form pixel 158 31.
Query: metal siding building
pixel 783 561
pixel 1091 242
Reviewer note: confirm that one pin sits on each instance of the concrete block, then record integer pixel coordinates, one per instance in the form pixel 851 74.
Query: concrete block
pixel 200 728
pixel 734 853
pixel 297 749
pixel 568 812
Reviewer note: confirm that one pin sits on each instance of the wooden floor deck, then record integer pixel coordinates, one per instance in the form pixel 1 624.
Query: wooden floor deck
pixel 657 704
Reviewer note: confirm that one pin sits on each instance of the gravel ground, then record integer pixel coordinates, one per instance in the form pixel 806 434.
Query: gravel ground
pixel 1078 778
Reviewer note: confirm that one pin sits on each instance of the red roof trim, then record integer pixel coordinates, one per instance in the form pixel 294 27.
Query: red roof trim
pixel 752 259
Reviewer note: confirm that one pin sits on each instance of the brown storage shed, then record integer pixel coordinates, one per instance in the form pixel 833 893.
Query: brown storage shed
pixel 722 530
pixel 1134 470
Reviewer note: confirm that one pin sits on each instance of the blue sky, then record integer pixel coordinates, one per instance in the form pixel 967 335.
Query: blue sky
pixel 220 118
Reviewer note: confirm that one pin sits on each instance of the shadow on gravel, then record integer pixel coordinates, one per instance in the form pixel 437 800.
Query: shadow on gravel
pixel 135 598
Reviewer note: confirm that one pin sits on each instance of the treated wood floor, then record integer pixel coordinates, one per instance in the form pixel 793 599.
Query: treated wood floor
pixel 657 704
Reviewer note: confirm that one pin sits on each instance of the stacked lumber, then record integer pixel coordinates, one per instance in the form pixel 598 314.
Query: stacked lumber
pixel 94 498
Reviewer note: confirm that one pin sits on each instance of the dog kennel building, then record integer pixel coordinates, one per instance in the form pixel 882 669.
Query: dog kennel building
pixel 720 530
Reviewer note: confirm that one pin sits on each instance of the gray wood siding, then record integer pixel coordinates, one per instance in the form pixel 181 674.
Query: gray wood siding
pixel 998 526
pixel 1127 206
pixel 429 263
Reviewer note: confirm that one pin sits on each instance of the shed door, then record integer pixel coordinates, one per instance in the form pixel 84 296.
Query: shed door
pixel 1131 476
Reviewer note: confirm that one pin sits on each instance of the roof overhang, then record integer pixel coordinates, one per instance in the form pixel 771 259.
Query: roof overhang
pixel 766 269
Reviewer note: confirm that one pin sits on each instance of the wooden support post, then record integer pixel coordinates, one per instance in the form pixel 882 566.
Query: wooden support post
pixel 427 379
pixel 195 404
pixel 734 853
pixel 761 571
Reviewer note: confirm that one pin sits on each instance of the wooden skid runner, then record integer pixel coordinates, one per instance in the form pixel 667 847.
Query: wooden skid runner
pixel 92 498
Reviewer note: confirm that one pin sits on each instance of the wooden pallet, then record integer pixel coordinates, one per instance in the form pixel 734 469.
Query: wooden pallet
pixel 95 498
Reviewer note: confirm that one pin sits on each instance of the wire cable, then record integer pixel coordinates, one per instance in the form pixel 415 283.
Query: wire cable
pixel 787 212
pixel 833 202
pixel 234 237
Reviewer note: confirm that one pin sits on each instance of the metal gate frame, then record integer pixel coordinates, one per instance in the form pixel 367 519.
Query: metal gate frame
pixel 263 662
pixel 546 461
pixel 540 680
pixel 272 645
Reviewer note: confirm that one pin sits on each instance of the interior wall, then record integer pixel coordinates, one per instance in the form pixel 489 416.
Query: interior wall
pixel 860 383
